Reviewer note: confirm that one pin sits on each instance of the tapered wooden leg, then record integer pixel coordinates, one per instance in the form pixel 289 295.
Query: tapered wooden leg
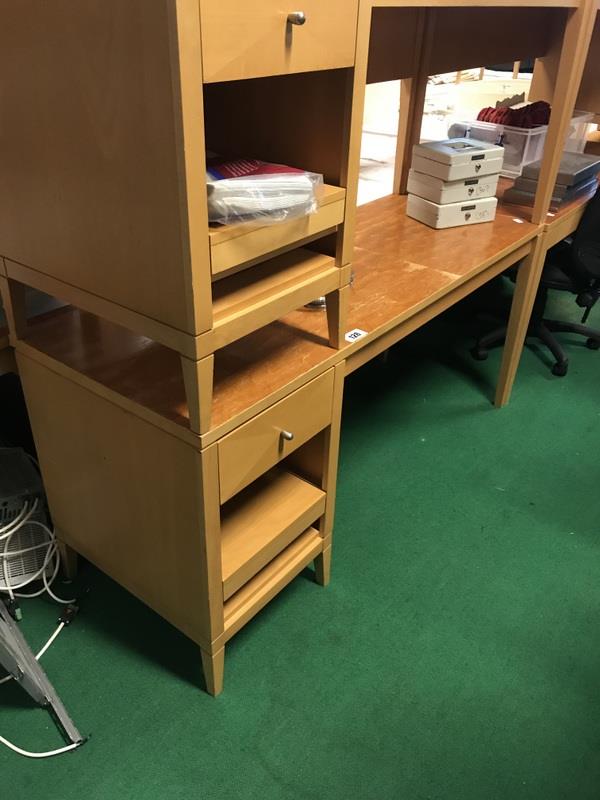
pixel 528 280
pixel 337 313
pixel 323 567
pixel 213 665
pixel 198 380
pixel 68 560
pixel 13 300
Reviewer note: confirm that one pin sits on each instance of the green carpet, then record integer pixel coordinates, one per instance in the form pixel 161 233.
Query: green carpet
pixel 455 655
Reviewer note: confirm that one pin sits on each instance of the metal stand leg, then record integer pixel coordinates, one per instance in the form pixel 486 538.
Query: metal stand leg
pixel 16 657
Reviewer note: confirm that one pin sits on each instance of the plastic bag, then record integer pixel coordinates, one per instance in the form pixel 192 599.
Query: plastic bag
pixel 255 191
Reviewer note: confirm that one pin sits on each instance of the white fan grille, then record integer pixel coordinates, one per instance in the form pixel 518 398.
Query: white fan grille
pixel 20 568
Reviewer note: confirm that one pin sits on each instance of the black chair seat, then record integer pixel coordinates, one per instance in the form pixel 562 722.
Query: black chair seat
pixel 554 277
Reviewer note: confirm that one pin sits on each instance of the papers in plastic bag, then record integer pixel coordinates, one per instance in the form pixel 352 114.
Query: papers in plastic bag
pixel 248 190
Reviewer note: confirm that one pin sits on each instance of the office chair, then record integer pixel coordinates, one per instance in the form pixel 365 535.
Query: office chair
pixel 573 266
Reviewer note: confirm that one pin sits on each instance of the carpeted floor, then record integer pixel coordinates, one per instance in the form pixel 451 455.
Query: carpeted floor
pixel 455 656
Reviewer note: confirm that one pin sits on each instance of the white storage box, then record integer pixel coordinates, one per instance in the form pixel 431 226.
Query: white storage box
pixel 439 191
pixel 522 145
pixel 452 214
pixel 457 159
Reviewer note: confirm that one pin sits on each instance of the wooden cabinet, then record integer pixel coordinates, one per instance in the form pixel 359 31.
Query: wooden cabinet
pixel 103 193
pixel 146 504
pixel 250 40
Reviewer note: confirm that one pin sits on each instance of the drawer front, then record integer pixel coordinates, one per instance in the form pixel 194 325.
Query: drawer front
pixel 258 445
pixel 254 39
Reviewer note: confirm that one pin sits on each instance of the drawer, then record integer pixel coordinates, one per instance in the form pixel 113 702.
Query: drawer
pixel 255 447
pixel 254 39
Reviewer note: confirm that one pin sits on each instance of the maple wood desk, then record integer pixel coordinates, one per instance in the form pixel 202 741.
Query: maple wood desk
pixel 407 273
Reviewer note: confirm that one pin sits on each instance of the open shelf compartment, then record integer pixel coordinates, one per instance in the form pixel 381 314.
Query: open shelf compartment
pixel 250 299
pixel 261 521
pixel 238 245
pixel 255 594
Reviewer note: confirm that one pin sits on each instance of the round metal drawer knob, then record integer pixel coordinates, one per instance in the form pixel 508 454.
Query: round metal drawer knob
pixel 287 435
pixel 297 18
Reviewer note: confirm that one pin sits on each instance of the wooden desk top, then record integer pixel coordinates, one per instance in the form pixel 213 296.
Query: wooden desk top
pixel 401 267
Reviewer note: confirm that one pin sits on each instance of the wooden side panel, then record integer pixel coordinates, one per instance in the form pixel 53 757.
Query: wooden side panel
pixel 475 37
pixel 129 498
pixel 387 60
pixel 574 47
pixel 545 68
pixel 298 120
pixel 589 91
pixel 91 143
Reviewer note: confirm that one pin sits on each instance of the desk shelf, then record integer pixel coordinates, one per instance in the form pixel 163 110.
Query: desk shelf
pixel 261 521
pixel 146 377
pixel 249 600
pixel 257 296
pixel 232 246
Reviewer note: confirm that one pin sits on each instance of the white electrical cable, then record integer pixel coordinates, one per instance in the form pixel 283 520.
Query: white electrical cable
pixel 6 534
pixel 50 564
pixel 48 754
pixel 48 644
pixel 18 521
pixel 50 641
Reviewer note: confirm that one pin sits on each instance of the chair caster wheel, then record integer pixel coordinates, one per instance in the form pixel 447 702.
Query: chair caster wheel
pixel 560 370
pixel 593 344
pixel 479 355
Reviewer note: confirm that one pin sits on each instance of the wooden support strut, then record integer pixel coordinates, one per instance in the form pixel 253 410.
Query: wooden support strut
pixel 578 33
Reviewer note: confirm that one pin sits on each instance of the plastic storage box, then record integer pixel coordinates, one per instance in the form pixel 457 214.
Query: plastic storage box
pixel 522 145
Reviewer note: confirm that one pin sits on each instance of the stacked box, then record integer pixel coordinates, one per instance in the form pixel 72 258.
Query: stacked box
pixel 454 182
pixel 577 177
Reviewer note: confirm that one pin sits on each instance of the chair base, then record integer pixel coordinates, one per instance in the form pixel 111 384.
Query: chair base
pixel 544 331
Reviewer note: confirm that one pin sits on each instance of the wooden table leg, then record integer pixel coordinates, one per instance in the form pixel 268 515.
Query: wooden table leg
pixel 213 665
pixel 323 567
pixel 528 280
pixel 198 380
pixel 337 313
